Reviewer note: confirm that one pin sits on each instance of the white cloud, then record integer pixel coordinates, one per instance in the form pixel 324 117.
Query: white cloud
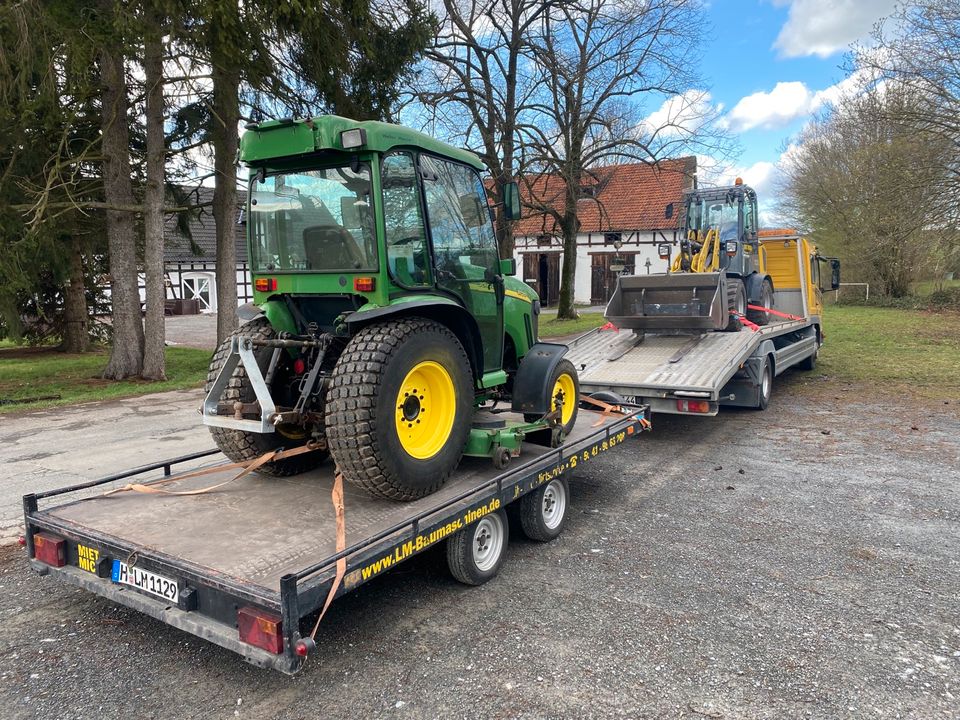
pixel 681 114
pixel 823 27
pixel 787 102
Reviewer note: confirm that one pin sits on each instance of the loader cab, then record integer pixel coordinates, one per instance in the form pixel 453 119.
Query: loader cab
pixel 731 214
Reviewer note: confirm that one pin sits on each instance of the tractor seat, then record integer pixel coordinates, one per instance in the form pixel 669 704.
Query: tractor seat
pixel 330 247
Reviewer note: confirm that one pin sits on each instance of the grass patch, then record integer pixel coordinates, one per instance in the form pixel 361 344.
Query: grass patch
pixel 893 350
pixel 551 327
pixel 27 372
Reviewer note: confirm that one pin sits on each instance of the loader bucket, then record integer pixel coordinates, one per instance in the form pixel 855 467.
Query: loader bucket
pixel 677 301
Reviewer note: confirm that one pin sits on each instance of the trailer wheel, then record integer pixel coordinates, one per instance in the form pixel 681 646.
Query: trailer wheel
pixel 399 407
pixel 475 553
pixel 564 385
pixel 762 317
pixel 766 384
pixel 241 446
pixel 543 512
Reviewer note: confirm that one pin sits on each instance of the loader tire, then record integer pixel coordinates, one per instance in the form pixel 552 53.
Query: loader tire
pixel 399 408
pixel 736 303
pixel 241 446
pixel 761 317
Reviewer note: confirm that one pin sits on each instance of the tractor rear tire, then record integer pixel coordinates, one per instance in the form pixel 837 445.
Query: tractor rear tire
pixel 399 408
pixel 241 446
pixel 761 317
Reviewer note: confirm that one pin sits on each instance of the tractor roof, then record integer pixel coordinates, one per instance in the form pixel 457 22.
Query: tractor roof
pixel 286 138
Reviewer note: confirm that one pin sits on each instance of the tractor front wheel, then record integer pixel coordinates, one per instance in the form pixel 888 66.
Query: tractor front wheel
pixel 564 389
pixel 399 408
pixel 242 446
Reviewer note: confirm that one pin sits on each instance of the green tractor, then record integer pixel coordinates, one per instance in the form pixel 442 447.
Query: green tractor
pixel 383 318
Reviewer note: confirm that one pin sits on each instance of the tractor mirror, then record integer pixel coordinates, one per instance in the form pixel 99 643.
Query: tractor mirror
pixel 508 266
pixel 349 212
pixel 511 201
pixel 471 211
pixel 668 211
pixel 834 274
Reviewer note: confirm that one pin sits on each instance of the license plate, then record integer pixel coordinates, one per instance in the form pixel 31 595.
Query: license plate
pixel 145 580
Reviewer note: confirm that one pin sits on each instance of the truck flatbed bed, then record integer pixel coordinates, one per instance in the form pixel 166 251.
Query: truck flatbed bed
pixel 271 542
pixel 657 368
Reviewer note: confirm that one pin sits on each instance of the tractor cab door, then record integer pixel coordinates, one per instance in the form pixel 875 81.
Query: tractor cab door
pixel 465 258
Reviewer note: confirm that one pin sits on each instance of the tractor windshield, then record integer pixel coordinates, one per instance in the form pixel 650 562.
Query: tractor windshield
pixel 717 213
pixel 313 221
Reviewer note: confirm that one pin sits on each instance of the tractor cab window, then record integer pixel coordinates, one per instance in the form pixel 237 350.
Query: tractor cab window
pixel 718 214
pixel 313 221
pixel 408 257
pixel 749 216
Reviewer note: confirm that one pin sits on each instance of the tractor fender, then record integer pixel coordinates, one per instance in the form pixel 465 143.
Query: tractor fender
pixel 754 281
pixel 530 386
pixel 248 312
pixel 446 312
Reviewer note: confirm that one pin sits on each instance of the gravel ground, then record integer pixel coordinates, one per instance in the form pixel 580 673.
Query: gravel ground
pixel 804 562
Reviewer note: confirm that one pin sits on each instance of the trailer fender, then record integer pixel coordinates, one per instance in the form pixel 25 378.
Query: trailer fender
pixel 754 283
pixel 530 387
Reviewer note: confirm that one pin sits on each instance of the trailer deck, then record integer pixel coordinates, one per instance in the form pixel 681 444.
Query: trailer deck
pixel 657 368
pixel 271 542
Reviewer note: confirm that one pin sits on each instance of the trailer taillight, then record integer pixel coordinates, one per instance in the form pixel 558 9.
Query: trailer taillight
pixel 693 406
pixel 260 629
pixel 364 284
pixel 265 284
pixel 50 549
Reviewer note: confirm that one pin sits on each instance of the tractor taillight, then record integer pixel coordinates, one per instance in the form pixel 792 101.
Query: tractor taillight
pixel 693 406
pixel 299 366
pixel 364 284
pixel 50 549
pixel 260 629
pixel 265 284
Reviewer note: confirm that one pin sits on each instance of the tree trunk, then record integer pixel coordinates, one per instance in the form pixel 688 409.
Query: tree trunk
pixel 154 361
pixel 126 355
pixel 75 336
pixel 568 278
pixel 226 112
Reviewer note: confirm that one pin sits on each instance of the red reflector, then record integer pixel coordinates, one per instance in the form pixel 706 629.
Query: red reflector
pixel 261 629
pixel 299 366
pixel 50 549
pixel 265 284
pixel 364 284
pixel 693 406
pixel 21 541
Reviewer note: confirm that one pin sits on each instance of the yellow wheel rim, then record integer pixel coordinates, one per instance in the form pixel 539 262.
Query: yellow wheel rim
pixel 425 409
pixel 564 389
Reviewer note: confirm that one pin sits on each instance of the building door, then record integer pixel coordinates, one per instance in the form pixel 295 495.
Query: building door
pixel 541 271
pixel 603 280
pixel 200 287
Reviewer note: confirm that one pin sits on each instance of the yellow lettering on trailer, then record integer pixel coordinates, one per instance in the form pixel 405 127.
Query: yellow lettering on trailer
pixel 87 558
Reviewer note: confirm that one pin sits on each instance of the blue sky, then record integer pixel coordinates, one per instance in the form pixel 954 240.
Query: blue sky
pixel 771 63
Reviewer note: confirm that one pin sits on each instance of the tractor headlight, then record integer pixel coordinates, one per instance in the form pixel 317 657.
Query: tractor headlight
pixel 732 247
pixel 355 138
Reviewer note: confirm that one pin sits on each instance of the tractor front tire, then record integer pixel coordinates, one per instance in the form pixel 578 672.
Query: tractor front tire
pixel 241 446
pixel 564 389
pixel 399 408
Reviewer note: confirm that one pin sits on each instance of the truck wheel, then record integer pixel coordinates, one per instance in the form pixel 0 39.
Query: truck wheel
pixel 810 362
pixel 399 408
pixel 474 554
pixel 242 446
pixel 761 317
pixel 543 512
pixel 564 384
pixel 736 302
pixel 766 384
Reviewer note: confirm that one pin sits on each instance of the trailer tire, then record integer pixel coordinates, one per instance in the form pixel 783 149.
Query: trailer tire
pixel 766 384
pixel 373 415
pixel 762 317
pixel 475 554
pixel 241 446
pixel 543 512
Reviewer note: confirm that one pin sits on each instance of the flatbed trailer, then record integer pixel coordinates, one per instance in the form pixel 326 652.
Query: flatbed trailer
pixel 263 550
pixel 692 373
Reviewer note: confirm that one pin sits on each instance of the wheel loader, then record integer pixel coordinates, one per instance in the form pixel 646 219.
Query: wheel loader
pixel 717 278
pixel 382 317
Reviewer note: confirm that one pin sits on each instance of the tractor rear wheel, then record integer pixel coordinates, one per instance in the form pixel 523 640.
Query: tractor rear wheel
pixel 762 317
pixel 241 446
pixel 399 408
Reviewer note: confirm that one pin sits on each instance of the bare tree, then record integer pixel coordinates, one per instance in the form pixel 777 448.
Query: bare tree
pixel 869 184
pixel 599 63
pixel 473 87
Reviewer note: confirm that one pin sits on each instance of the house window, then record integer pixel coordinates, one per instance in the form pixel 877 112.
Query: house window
pixel 612 238
pixel 544 240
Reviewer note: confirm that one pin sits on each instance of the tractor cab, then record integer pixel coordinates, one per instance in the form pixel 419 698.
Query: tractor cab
pixel 719 231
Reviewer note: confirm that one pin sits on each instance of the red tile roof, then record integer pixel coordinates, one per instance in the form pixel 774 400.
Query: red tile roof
pixel 627 197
